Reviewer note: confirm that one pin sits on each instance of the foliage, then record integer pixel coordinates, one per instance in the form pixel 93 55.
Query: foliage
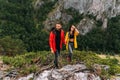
pixel 11 47
pixel 25 59
pixel 20 20
pixel 107 40
pixel 102 40
pixel 22 62
pixel 30 69
pixel 44 58
pixel 114 70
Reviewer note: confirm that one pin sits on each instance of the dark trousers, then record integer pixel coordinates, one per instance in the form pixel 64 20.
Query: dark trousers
pixel 57 54
pixel 70 49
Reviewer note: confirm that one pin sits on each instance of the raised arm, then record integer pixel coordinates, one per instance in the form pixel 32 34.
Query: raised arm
pixel 76 30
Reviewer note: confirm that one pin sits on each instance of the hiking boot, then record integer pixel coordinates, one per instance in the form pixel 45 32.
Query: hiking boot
pixel 56 66
pixel 69 59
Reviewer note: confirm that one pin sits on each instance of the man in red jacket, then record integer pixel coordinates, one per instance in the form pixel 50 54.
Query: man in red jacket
pixel 56 40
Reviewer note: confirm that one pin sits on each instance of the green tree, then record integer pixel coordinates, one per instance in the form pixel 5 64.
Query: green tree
pixel 11 47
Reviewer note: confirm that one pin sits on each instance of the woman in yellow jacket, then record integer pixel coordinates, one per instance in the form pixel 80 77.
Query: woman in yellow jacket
pixel 71 40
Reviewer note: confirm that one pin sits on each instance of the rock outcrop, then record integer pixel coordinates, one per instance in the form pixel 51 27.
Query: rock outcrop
pixel 86 25
pixel 102 9
pixel 99 8
pixel 68 72
pixel 71 72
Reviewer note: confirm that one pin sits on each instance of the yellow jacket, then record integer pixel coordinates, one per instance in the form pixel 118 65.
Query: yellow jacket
pixel 75 39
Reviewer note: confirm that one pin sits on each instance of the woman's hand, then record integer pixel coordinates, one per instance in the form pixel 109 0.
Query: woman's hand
pixel 75 29
pixel 73 26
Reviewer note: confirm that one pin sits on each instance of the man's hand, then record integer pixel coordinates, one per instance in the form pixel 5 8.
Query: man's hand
pixel 52 50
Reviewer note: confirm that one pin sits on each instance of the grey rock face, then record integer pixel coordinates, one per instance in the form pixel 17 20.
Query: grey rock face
pixel 53 17
pixel 102 9
pixel 38 4
pixel 81 5
pixel 108 8
pixel 86 25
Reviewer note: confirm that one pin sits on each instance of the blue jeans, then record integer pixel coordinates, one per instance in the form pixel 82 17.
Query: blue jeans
pixel 70 49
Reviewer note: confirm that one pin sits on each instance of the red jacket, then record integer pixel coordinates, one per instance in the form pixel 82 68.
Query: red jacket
pixel 52 41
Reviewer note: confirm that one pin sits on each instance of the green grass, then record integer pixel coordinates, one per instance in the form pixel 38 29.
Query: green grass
pixel 110 56
pixel 37 60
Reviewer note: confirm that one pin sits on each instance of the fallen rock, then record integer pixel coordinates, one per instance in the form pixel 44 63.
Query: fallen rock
pixel 12 73
pixel 6 78
pixel 27 78
pixel 1 74
pixel 4 67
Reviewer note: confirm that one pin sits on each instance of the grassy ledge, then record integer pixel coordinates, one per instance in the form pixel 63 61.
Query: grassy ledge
pixel 37 60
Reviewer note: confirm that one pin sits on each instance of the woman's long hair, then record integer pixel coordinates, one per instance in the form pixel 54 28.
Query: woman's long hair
pixel 70 29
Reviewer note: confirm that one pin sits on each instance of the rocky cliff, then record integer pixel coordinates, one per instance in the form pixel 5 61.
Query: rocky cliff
pixel 100 9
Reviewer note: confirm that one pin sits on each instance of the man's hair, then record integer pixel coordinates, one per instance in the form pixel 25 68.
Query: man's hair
pixel 58 22
pixel 52 29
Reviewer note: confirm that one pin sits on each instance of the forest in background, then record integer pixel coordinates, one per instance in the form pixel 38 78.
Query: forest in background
pixel 22 32
pixel 22 29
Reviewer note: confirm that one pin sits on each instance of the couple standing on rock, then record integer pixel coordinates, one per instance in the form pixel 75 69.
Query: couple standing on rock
pixel 56 40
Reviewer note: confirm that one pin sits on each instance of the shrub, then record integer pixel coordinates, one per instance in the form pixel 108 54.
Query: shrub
pixel 45 58
pixel 114 69
pixel 11 47
pixel 109 61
